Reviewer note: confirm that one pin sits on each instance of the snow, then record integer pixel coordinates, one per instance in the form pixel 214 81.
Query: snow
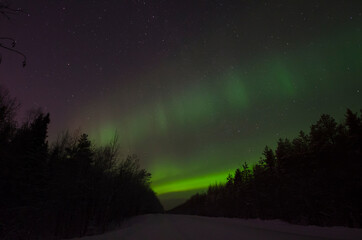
pixel 174 227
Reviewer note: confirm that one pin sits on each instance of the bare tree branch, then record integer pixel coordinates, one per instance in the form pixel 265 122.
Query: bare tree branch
pixel 10 39
pixel 16 51
pixel 6 10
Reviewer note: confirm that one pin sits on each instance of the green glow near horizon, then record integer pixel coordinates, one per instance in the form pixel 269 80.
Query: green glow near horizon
pixel 107 134
pixel 191 183
pixel 253 106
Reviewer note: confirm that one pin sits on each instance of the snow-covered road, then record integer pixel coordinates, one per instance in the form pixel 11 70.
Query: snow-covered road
pixel 174 227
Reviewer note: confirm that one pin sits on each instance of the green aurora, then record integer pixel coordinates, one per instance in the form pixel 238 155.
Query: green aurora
pixel 194 88
pixel 194 135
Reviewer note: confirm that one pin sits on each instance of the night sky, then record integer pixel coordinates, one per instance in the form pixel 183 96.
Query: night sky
pixel 194 88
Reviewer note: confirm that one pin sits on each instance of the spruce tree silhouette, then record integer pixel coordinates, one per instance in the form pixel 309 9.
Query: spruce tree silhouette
pixel 70 188
pixel 312 179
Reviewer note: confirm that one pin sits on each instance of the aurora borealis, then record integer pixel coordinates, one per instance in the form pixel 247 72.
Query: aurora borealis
pixel 193 88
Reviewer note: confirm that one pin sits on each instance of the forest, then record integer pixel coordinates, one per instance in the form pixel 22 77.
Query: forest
pixel 313 179
pixel 69 188
pixel 194 87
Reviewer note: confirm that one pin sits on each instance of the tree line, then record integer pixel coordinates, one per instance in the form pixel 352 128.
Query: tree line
pixel 70 188
pixel 315 178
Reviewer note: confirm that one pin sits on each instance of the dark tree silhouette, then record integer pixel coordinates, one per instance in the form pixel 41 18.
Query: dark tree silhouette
pixel 8 108
pixel 65 189
pixel 313 179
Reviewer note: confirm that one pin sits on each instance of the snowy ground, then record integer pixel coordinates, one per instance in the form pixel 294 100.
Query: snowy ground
pixel 174 227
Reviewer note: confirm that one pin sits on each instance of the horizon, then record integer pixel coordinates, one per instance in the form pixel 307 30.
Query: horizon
pixel 194 89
